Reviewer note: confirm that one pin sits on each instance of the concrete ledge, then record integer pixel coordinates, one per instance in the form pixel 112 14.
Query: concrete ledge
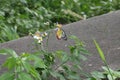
pixel 105 29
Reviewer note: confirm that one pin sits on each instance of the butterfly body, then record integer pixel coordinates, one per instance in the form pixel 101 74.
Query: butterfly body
pixel 60 33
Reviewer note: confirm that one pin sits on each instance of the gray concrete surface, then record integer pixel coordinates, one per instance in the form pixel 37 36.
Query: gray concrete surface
pixel 105 29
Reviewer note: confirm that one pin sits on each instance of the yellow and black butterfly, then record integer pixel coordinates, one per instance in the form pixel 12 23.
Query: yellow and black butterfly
pixel 60 33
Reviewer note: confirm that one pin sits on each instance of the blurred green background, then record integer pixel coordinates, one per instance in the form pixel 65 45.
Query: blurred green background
pixel 19 17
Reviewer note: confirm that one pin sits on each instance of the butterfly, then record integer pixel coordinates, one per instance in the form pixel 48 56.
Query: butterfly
pixel 60 33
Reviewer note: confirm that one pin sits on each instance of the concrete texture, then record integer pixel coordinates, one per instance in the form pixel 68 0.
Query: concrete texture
pixel 105 29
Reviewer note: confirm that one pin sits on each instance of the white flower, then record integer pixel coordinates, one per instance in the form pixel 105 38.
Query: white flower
pixel 47 23
pixel 36 37
pixel 40 39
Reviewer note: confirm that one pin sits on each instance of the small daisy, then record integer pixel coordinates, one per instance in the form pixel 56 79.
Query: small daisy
pixel 38 36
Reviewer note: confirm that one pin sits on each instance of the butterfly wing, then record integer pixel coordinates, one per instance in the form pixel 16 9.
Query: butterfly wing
pixel 60 34
pixel 64 36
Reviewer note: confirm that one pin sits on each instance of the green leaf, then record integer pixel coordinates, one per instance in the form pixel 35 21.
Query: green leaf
pixel 116 74
pixel 110 77
pixel 38 62
pixel 7 76
pixel 76 52
pixel 10 63
pixel 27 66
pixel 82 57
pixel 24 76
pixel 103 57
pixel 9 52
pixel 83 50
pixel 9 33
pixel 73 37
pixel 72 49
pixel 65 58
pixel 100 51
pixel 24 1
pixel 3 52
pixel 34 73
pixel 97 75
pixel 57 75
pixel 91 78
pixel 59 54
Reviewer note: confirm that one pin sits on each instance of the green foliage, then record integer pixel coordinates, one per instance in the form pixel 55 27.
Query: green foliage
pixel 45 65
pixel 105 75
pixel 8 33
pixel 103 58
pixel 108 73
pixel 96 76
pixel 19 67
pixel 7 76
pixel 100 52
pixel 24 16
pixel 116 74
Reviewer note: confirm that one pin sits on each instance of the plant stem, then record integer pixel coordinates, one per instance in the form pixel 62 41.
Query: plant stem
pixel 108 69
pixel 61 64
pixel 47 40
pixel 15 73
